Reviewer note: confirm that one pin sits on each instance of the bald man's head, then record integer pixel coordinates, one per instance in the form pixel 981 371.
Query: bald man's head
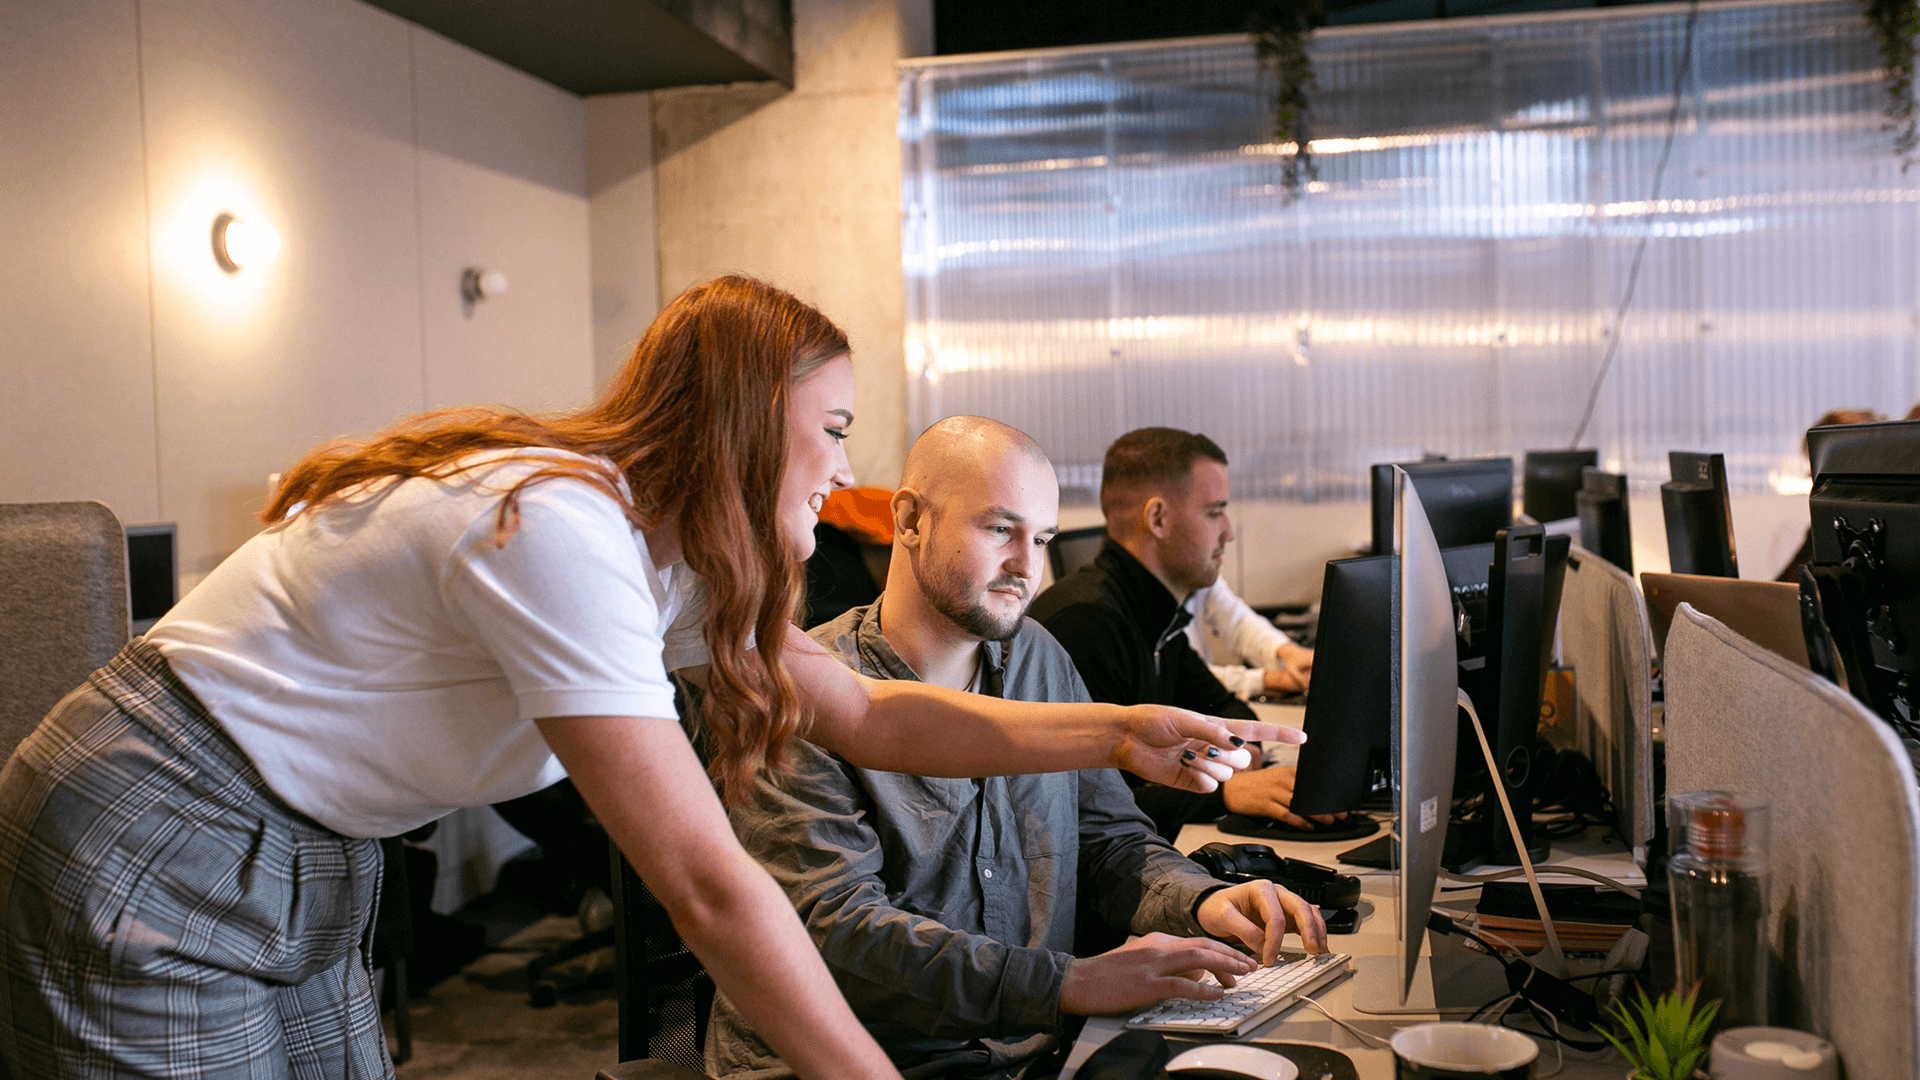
pixel 977 504
pixel 958 446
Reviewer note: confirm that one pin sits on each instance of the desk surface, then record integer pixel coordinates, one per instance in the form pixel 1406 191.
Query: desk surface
pixel 1376 937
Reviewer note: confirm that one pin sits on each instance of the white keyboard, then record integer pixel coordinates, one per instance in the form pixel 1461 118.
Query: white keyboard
pixel 1250 1002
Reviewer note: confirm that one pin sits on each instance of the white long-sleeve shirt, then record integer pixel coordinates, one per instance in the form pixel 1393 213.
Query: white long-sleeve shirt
pixel 1245 634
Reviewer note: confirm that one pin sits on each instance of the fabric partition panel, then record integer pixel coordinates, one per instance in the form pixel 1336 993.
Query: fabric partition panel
pixel 1844 920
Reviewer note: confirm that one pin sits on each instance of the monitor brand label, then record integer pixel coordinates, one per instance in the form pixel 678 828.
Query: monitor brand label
pixel 1429 814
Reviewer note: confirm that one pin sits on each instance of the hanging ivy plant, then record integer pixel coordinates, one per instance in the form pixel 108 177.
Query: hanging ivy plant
pixel 1280 30
pixel 1896 23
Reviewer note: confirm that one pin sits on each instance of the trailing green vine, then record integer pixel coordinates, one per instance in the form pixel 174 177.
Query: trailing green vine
pixel 1280 30
pixel 1896 23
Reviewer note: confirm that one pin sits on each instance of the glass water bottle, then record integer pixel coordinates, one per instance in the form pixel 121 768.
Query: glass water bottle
pixel 1718 880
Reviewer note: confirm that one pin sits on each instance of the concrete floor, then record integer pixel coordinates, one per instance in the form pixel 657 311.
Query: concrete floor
pixel 478 1025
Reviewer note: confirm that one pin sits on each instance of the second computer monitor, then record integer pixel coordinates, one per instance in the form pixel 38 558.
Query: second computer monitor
pixel 1606 528
pixel 1466 501
pixel 1699 515
pixel 1549 481
pixel 1345 756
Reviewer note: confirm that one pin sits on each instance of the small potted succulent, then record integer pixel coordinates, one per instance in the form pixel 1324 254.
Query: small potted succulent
pixel 1665 1039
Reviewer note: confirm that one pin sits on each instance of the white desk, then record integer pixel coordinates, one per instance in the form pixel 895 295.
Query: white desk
pixel 1376 937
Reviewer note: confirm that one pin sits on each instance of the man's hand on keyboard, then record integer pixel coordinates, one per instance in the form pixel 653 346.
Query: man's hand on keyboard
pixel 1149 969
pixel 1259 914
pixel 1268 793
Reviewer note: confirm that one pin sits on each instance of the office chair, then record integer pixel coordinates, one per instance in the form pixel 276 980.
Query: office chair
pixel 63 605
pixel 837 576
pixel 1074 548
pixel 393 940
pixel 665 994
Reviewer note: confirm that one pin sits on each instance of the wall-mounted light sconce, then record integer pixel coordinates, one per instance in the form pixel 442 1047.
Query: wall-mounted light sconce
pixel 238 243
pixel 477 284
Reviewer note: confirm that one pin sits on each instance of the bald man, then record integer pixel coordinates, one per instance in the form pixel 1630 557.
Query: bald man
pixel 946 908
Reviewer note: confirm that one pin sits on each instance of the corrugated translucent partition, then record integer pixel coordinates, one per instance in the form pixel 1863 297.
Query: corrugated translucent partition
pixel 1097 239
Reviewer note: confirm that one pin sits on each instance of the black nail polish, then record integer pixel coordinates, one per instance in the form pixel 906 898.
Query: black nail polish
pixel 1213 751
pixel 1236 740
pixel 1189 756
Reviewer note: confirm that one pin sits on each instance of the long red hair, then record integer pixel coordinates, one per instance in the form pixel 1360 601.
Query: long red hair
pixel 696 425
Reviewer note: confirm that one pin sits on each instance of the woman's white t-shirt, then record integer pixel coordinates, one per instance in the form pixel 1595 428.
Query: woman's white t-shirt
pixel 382 659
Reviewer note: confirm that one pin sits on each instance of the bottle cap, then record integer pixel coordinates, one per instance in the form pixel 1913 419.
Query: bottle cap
pixel 1718 826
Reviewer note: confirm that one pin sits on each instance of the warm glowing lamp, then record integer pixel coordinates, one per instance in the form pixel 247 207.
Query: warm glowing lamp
pixel 238 243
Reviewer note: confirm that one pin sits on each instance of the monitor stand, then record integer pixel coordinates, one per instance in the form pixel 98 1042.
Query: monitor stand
pixel 1489 844
pixel 1451 984
pixel 1462 855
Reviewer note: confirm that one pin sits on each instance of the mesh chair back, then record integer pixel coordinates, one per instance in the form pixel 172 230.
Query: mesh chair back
pixel 665 995
pixel 1074 548
pixel 63 605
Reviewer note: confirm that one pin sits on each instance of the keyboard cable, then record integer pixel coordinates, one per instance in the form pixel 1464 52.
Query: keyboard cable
pixel 1354 1031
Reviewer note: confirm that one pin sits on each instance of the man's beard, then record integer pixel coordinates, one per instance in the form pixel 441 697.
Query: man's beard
pixel 1195 578
pixel 955 601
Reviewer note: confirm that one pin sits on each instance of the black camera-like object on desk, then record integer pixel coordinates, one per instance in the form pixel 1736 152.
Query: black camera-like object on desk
pixel 1317 885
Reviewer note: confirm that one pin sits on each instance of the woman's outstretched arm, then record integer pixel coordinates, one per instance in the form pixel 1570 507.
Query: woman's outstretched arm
pixel 903 726
pixel 649 791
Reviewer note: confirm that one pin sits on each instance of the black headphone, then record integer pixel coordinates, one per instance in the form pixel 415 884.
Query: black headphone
pixel 1317 885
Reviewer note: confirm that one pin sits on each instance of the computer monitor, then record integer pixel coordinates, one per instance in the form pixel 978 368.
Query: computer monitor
pixel 1344 759
pixel 1424 693
pixel 1523 601
pixel 1860 596
pixel 152 575
pixel 1606 529
pixel 1699 515
pixel 1550 480
pixel 1466 501
pixel 1384 700
pixel 1506 598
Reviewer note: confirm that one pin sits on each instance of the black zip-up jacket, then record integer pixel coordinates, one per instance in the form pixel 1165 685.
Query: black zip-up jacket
pixel 1123 629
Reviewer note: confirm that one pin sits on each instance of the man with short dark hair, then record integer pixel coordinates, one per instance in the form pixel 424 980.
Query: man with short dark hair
pixel 1123 617
pixel 946 908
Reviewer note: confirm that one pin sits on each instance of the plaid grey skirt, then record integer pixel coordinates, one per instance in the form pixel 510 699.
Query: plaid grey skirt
pixel 166 915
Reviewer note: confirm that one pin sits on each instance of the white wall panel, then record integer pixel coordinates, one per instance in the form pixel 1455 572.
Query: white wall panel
pixel 517 205
pixel 387 158
pixel 298 113
pixel 76 378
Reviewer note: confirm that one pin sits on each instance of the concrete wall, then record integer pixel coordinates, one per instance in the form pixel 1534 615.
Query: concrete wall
pixel 802 188
pixel 136 372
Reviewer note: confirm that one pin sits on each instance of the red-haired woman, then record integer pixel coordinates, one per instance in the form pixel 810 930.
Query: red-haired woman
pixel 462 611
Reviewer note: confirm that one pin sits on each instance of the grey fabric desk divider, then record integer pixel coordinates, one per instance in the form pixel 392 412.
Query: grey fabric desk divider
pixel 1605 639
pixel 1844 899
pixel 63 605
